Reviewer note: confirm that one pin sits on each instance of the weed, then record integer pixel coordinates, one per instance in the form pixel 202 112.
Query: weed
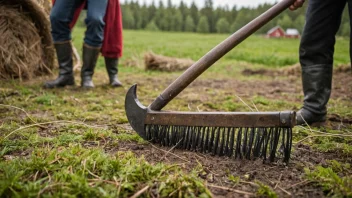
pixel 330 181
pixel 265 190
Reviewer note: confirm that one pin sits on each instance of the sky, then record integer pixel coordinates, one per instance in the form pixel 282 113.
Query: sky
pixel 238 3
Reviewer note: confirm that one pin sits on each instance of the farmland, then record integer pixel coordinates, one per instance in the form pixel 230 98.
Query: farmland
pixel 77 143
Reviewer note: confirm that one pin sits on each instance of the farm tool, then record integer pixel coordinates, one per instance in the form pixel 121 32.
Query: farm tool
pixel 248 135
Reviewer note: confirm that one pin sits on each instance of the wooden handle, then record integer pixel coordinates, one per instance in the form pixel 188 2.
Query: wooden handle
pixel 216 53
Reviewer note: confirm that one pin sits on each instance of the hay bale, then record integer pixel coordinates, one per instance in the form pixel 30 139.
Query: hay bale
pixel 26 49
pixel 163 63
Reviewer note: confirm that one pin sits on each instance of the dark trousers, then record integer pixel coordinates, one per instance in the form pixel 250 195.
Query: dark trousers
pixel 316 52
pixel 62 15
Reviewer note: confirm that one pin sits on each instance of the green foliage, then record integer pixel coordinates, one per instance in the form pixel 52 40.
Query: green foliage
pixel 78 172
pixel 189 24
pixel 128 18
pixel 152 26
pixel 265 190
pixel 203 25
pixel 222 26
pixel 285 22
pixel 332 184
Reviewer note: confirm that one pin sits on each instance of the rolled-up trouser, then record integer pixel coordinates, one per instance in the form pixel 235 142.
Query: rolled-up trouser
pixel 316 51
pixel 62 15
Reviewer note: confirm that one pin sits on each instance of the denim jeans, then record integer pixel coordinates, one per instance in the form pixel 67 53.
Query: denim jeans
pixel 62 14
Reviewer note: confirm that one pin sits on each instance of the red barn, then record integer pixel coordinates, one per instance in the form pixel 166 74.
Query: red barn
pixel 276 32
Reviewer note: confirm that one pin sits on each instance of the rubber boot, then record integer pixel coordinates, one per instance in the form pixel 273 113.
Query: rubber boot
pixel 90 57
pixel 112 69
pixel 66 76
pixel 316 82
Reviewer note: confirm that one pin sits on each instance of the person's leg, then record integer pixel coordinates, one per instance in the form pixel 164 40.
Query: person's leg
pixel 61 16
pixel 323 20
pixel 96 10
pixel 112 69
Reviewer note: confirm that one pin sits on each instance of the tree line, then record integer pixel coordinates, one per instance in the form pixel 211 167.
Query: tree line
pixel 208 19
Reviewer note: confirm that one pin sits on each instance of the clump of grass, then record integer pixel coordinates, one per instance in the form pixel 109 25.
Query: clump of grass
pixel 332 184
pixel 79 172
pixel 265 190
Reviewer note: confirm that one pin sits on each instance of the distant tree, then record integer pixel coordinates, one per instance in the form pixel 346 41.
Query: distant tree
pixel 222 26
pixel 152 26
pixel 299 23
pixel 285 22
pixel 194 12
pixel 177 21
pixel 151 11
pixel 184 11
pixel 208 11
pixel 203 25
pixel 189 24
pixel 128 18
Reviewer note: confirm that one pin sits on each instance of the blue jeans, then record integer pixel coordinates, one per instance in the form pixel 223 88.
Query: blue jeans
pixel 62 15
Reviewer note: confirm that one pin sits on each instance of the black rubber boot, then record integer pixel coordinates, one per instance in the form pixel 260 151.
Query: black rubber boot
pixel 112 69
pixel 64 57
pixel 90 57
pixel 316 82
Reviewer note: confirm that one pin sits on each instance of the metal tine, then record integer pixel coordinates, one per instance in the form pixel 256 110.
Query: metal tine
pixel 287 151
pixel 186 137
pixel 227 141
pixel 161 135
pixel 174 139
pixel 244 147
pixel 191 134
pixel 215 148
pixel 211 140
pixel 266 143
pixel 275 144
pixel 222 142
pixel 202 143
pixel 182 137
pixel 232 141
pixel 206 143
pixel 167 135
pixel 195 138
pixel 283 142
pixel 258 142
pixel 238 144
pixel 250 143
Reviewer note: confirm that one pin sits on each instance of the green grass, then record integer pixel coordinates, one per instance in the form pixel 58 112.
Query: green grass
pixel 75 151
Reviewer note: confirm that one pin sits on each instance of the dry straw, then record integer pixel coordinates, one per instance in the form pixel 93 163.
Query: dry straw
pixel 26 49
pixel 163 63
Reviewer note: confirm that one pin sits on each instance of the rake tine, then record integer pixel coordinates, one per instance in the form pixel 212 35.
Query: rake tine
pixel 216 140
pixel 238 144
pixel 227 141
pixel 222 141
pixel 232 141
pixel 250 143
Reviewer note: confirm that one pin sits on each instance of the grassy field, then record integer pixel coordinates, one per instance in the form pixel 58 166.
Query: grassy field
pixel 77 143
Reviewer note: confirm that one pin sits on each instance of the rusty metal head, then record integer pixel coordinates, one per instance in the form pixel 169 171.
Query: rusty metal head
pixel 135 111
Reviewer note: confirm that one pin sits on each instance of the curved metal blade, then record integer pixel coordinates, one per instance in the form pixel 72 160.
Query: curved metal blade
pixel 135 111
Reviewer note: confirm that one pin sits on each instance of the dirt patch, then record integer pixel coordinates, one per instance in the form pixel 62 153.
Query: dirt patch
pixel 286 180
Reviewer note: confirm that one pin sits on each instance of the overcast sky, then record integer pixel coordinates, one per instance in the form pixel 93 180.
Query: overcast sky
pixel 238 3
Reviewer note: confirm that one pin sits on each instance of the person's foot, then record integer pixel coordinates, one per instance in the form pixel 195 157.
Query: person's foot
pixel 61 81
pixel 115 82
pixel 87 82
pixel 305 117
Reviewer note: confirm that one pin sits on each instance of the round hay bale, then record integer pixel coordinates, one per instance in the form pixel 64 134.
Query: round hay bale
pixel 26 49
pixel 163 63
